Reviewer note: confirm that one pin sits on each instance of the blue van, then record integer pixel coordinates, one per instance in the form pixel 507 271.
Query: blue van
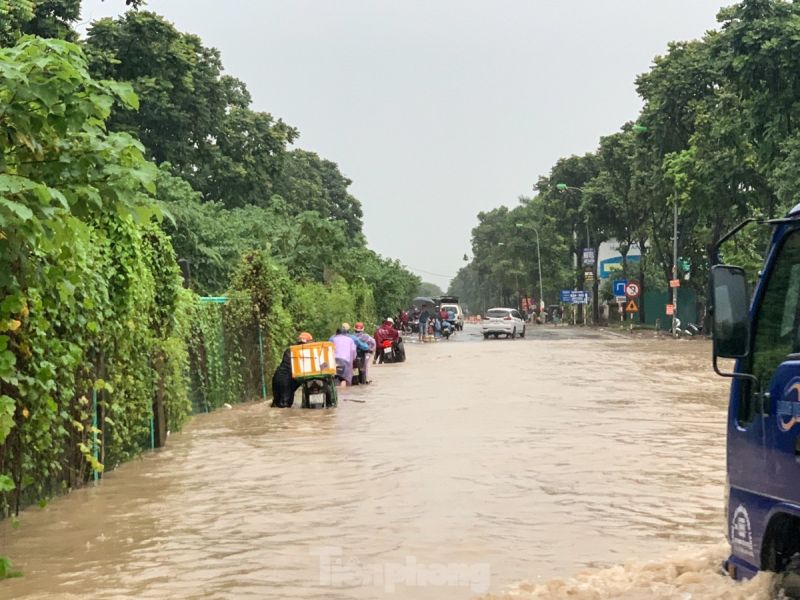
pixel 761 332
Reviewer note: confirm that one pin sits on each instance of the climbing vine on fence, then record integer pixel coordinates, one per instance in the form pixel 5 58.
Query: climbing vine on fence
pixel 86 280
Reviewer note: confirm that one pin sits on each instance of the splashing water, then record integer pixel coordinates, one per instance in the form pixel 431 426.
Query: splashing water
pixel 691 576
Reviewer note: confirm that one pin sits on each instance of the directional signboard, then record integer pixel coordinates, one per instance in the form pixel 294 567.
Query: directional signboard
pixel 619 287
pixel 632 289
pixel 588 257
pixel 574 297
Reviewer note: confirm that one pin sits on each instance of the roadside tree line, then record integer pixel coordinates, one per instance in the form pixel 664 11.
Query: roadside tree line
pixel 718 136
pixel 121 156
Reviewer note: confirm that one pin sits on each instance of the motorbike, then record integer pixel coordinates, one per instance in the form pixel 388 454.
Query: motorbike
pixel 319 392
pixel 314 371
pixel 448 328
pixel 359 373
pixel 691 330
pixel 393 351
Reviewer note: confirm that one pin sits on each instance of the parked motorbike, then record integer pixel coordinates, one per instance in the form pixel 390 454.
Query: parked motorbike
pixel 691 330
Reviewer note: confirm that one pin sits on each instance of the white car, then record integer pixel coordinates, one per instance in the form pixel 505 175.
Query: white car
pixel 503 321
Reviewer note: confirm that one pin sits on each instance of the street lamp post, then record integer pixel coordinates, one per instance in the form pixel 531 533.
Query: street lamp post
pixel 538 260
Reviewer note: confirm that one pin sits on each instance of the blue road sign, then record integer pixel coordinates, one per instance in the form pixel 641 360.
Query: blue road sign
pixel 574 297
pixel 619 287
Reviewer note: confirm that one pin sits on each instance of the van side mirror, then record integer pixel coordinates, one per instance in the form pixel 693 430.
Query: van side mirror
pixel 730 312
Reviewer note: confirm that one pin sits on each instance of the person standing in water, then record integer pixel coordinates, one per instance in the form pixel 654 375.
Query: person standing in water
pixel 367 339
pixel 345 351
pixel 423 323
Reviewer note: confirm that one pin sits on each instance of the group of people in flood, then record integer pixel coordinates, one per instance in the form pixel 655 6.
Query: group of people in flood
pixel 437 322
pixel 353 348
pixel 347 346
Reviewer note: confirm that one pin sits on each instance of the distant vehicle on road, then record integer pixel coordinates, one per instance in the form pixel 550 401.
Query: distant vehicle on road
pixel 503 321
pixel 451 303
pixel 458 320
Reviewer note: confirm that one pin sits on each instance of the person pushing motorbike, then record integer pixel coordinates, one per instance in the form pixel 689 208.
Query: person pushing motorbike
pixel 346 350
pixel 283 385
pixel 367 339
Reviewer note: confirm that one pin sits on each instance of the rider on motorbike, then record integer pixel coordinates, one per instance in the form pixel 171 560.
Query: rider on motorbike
pixel 384 333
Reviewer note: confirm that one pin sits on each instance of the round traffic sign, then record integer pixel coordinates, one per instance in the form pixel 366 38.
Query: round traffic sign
pixel 632 289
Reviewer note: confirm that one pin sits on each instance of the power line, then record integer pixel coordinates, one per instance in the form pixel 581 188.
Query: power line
pixel 429 273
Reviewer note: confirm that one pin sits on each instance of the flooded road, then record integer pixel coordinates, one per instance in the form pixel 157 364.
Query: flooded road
pixel 476 468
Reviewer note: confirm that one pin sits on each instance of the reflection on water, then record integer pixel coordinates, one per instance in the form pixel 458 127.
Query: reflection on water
pixel 467 470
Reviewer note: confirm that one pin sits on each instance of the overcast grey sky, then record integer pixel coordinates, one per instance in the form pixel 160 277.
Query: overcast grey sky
pixel 438 109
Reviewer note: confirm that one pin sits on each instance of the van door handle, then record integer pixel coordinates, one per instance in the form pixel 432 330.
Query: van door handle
pixel 764 400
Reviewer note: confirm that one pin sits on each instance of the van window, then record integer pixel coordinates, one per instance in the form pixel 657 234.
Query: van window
pixel 497 313
pixel 777 324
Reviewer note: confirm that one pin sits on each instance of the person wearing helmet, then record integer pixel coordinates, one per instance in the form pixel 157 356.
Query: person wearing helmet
pixel 385 332
pixel 283 385
pixel 361 345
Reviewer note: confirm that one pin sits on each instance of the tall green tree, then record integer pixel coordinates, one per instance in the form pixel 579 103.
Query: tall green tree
pixel 309 183
pixel 190 114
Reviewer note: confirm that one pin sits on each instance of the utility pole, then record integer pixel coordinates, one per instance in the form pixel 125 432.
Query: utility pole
pixel 538 260
pixel 675 266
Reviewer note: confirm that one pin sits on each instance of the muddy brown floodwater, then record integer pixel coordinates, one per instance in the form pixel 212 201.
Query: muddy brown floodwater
pixel 568 464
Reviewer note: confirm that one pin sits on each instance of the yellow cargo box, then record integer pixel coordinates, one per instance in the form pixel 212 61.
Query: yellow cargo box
pixel 313 359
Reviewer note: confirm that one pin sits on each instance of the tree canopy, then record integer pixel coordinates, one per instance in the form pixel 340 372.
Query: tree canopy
pixel 717 135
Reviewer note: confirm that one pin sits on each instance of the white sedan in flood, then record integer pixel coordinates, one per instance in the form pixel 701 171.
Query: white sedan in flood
pixel 503 321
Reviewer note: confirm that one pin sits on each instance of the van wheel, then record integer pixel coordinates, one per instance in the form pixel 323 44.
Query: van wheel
pixel 522 335
pixel 513 334
pixel 486 336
